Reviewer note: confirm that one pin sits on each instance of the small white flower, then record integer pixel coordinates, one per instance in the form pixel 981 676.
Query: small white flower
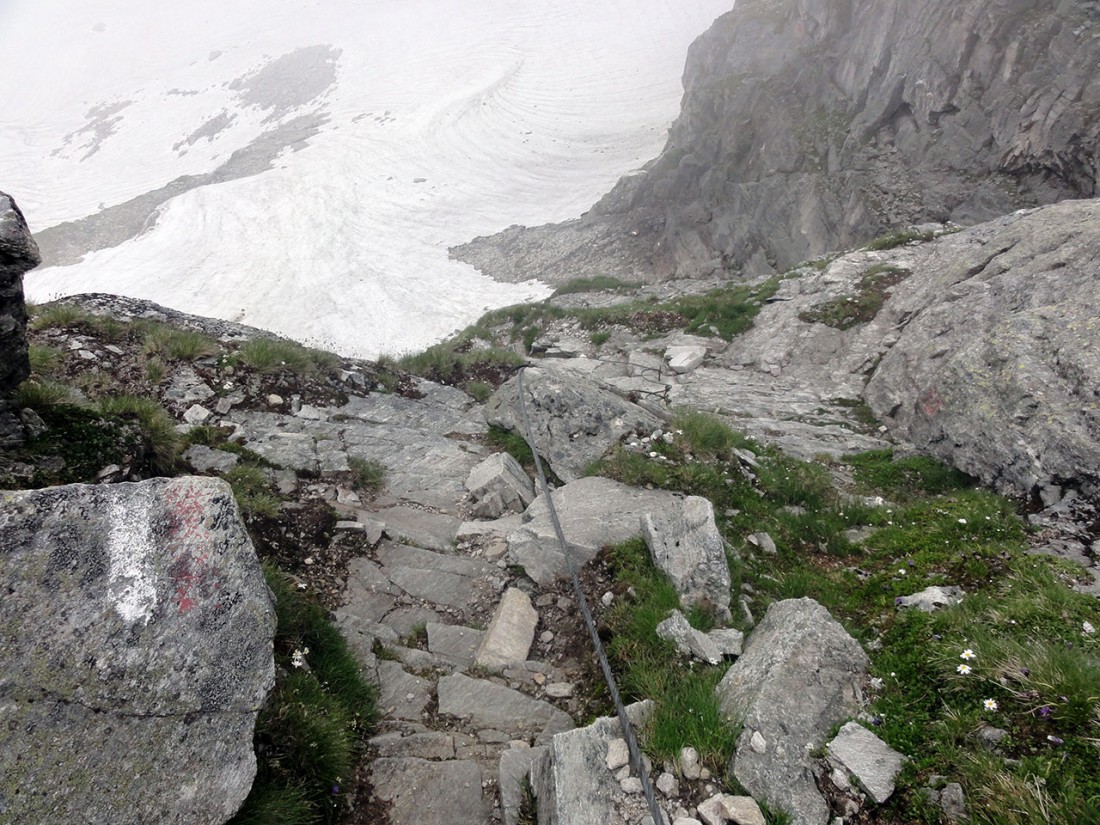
pixel 652 453
pixel 902 571
pixel 298 657
pixel 876 683
pixel 963 669
pixel 968 654
pixel 990 704
pixel 962 521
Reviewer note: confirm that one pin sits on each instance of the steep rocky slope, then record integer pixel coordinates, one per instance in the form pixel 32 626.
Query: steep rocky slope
pixel 813 125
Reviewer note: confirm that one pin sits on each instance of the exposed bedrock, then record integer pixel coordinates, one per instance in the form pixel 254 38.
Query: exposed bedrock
pixel 813 125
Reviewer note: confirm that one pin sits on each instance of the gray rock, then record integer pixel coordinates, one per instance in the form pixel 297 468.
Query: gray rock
pixel 593 512
pixel 573 421
pixel 510 633
pixel 570 789
pixel 618 754
pixel 932 598
pixel 454 642
pixel 765 542
pixel 666 783
pixel 728 641
pixel 206 460
pixel 420 528
pixel 687 639
pixel 402 695
pixel 873 763
pixel 453 581
pixel 499 485
pixel 991 373
pixel 18 254
pixel 431 744
pixel 952 801
pixel 799 675
pixel 683 359
pixel 743 810
pixel 420 792
pixel 137 635
pixel 516 765
pixel 486 704
pixel 689 762
pixel 686 545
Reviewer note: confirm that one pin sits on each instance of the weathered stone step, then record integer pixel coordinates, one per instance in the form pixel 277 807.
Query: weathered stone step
pixel 422 792
pixel 484 704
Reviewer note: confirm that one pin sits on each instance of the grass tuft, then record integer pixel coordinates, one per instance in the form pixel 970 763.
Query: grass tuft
pixel 177 344
pixel 156 425
pixel 310 733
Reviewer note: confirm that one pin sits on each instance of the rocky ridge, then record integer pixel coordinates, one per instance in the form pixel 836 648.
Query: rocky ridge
pixel 813 125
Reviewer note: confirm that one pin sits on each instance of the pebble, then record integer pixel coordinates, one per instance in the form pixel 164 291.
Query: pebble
pixel 546 637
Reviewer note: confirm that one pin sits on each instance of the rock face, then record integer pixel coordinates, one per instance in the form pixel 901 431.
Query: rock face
pixel 799 675
pixel 18 253
pixel 573 421
pixel 984 353
pixel 997 367
pixel 135 652
pixel 813 125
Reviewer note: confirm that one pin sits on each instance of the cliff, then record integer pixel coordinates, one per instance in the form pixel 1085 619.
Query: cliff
pixel 813 125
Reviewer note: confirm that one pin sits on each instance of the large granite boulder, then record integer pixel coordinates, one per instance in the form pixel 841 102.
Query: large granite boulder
pixel 135 652
pixel 573 421
pixel 799 675
pixel 18 253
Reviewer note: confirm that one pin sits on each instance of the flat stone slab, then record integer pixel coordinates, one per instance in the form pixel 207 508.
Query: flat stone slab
pixel 453 581
pixel 593 512
pixel 430 793
pixel 402 695
pixel 408 525
pixel 510 633
pixel 454 642
pixel 485 704
pixel 873 763
pixel 431 744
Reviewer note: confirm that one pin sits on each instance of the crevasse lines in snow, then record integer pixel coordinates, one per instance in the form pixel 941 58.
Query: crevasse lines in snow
pixel 408 126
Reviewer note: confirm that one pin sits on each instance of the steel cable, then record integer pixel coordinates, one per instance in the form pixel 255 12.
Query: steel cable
pixel 609 677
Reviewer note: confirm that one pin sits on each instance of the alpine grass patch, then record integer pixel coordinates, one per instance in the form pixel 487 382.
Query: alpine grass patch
pixel 310 734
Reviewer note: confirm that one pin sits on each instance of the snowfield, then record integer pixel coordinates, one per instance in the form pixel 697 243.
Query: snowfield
pixel 303 165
